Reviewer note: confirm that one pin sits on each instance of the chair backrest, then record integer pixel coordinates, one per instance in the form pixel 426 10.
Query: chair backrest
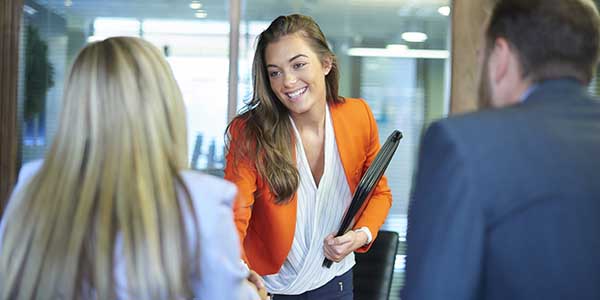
pixel 374 269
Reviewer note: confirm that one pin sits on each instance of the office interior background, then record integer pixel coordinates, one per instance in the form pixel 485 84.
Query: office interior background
pixel 393 53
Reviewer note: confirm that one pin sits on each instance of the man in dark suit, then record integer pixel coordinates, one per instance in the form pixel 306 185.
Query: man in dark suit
pixel 506 203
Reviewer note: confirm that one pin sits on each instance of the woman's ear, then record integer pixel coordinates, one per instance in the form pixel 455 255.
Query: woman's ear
pixel 327 64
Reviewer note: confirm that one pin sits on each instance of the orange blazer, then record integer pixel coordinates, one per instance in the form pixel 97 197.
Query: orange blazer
pixel 267 229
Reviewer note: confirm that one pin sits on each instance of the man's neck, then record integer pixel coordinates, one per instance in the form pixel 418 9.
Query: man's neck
pixel 518 92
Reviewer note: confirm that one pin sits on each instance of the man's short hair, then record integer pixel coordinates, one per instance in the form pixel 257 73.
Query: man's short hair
pixel 553 38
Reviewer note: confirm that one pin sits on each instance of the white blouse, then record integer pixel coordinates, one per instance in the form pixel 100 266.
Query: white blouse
pixel 320 211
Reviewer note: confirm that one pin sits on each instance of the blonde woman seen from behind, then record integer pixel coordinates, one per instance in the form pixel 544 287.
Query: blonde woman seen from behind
pixel 111 212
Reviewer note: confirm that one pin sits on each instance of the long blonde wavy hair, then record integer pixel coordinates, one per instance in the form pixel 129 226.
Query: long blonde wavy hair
pixel 111 173
pixel 264 131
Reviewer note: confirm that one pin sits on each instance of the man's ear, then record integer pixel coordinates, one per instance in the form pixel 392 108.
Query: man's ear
pixel 500 59
pixel 327 64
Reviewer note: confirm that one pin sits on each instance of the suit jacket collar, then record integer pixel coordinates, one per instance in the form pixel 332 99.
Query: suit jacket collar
pixel 555 90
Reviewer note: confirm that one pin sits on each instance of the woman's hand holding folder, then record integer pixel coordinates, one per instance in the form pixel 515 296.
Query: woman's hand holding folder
pixel 336 248
pixel 365 187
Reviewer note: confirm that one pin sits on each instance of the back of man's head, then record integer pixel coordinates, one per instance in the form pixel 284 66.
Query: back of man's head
pixel 553 38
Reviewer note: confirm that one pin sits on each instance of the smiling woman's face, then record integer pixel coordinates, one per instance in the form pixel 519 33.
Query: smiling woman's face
pixel 296 74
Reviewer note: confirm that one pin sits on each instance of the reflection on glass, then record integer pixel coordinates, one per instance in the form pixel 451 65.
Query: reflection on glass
pixel 196 48
pixel 41 75
pixel 39 79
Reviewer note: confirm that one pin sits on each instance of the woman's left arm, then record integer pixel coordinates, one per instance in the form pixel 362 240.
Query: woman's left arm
pixel 373 214
pixel 379 205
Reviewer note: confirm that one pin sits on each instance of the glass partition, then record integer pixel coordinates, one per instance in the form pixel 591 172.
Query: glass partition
pixel 392 53
pixel 193 35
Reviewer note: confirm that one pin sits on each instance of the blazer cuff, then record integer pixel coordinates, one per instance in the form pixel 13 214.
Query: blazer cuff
pixel 366 230
pixel 244 266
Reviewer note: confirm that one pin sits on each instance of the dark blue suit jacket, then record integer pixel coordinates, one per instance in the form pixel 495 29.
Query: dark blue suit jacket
pixel 506 203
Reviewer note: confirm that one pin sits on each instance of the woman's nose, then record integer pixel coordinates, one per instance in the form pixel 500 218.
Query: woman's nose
pixel 289 79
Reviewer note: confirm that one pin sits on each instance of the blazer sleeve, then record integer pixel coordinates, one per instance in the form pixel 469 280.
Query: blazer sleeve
pixel 26 174
pixel 224 275
pixel 244 175
pixel 445 223
pixel 377 208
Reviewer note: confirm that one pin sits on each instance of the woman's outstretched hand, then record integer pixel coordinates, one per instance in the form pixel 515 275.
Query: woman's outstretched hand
pixel 258 283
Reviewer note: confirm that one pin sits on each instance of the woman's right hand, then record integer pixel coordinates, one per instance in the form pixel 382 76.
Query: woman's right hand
pixel 258 283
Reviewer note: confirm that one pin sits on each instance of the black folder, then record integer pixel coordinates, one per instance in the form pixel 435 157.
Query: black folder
pixel 367 183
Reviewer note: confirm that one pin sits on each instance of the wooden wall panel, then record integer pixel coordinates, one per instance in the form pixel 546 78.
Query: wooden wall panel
pixel 10 20
pixel 468 21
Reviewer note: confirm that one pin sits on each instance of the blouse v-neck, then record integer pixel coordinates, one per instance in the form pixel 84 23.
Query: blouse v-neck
pixel 328 148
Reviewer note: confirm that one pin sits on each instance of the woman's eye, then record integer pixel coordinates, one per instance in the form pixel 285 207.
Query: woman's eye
pixel 299 65
pixel 274 74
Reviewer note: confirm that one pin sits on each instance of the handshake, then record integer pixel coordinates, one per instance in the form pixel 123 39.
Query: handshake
pixel 257 283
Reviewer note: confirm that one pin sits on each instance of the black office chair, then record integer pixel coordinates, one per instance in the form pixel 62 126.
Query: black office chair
pixel 373 270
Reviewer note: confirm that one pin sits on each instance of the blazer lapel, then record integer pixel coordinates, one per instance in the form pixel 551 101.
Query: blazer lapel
pixel 344 129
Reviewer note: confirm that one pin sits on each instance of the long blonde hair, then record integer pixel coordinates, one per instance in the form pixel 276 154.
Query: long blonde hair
pixel 264 134
pixel 111 173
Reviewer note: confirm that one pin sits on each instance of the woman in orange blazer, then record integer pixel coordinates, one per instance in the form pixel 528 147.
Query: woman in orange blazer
pixel 293 191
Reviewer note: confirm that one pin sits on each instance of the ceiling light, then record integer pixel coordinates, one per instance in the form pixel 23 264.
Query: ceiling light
pixel 29 10
pixel 116 26
pixel 95 38
pixel 414 37
pixel 162 26
pixel 195 5
pixel 399 53
pixel 396 47
pixel 201 14
pixel 444 10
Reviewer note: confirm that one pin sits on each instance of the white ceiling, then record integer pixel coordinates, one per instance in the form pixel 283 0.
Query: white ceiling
pixel 369 21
